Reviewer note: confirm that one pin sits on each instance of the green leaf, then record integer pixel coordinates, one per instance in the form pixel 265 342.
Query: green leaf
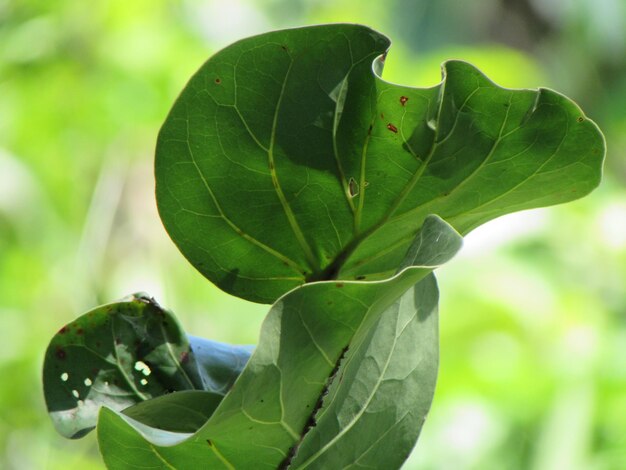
pixel 125 353
pixel 287 159
pixel 304 340
pixel 182 412
pixel 377 404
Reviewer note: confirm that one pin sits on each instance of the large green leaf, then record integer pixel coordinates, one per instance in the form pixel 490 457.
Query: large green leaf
pixel 288 159
pixel 305 339
pixel 128 352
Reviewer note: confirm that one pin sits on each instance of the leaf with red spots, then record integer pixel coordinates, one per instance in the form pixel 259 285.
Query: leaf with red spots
pixel 126 353
pixel 266 164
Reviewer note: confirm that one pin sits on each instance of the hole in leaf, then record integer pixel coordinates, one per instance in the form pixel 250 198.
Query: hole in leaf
pixel 88 382
pixel 142 367
pixel 65 376
pixel 75 393
pixel 143 382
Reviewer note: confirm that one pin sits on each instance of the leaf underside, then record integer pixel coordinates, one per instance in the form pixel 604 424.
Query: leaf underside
pixel 332 356
pixel 287 159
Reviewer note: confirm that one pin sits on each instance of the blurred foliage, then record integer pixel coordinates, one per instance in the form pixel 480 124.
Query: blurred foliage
pixel 533 313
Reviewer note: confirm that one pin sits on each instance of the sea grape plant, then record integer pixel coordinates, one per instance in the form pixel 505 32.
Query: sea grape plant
pixel 289 172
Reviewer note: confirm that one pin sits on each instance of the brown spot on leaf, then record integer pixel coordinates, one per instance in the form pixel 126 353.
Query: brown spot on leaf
pixel 392 128
pixel 79 331
pixel 360 278
pixel 580 119
pixel 184 357
pixel 63 330
pixel 218 80
pixel 60 353
pixel 403 100
pixel 339 284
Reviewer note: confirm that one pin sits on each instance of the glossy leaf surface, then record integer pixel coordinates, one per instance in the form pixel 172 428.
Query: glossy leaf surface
pixel 287 159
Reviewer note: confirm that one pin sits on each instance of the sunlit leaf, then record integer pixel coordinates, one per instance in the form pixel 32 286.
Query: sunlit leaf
pixel 287 159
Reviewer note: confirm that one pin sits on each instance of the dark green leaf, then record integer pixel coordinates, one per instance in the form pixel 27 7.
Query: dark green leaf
pixel 303 341
pixel 125 353
pixel 286 159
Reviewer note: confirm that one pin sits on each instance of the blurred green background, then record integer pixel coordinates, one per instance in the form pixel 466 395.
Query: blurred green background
pixel 533 312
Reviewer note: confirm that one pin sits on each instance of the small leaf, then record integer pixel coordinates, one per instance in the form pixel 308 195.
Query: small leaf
pixel 182 412
pixel 125 353
pixel 288 159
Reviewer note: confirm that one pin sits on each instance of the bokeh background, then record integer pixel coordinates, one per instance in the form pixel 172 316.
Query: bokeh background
pixel 533 312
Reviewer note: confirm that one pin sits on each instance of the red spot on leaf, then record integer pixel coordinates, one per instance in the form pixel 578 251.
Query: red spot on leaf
pixel 60 353
pixel 403 100
pixel 79 331
pixel 392 128
pixel 184 357
pixel 63 330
